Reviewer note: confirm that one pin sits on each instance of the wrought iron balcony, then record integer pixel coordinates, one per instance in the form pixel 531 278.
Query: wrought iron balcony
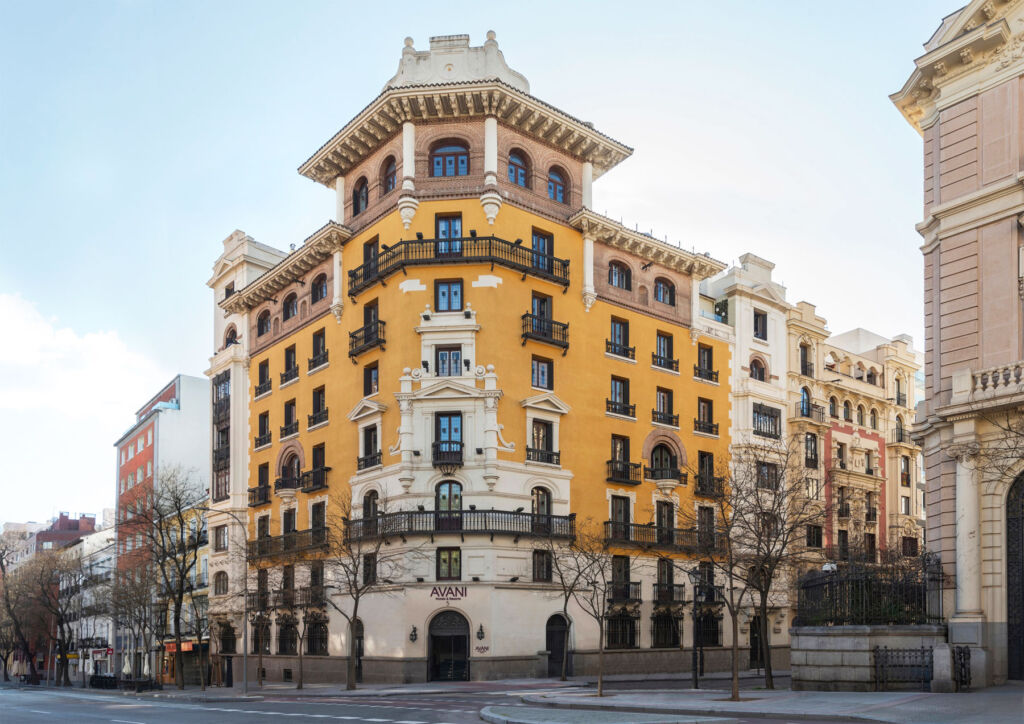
pixel 705 373
pixel 844 510
pixel 261 440
pixel 692 540
pixel 446 452
pixel 620 408
pixel 221 409
pixel 807 369
pixel 366 338
pixel 811 412
pixel 665 363
pixel 317 417
pixel 369 461
pixel 290 428
pixel 901 399
pixel 472 250
pixel 665 474
pixel 296 540
pixel 260 495
pixel 624 592
pixel 665 418
pixel 310 597
pixel 258 601
pixel 284 598
pixel 221 457
pixel 538 455
pixel 871 515
pixel 485 522
pixel 545 330
pixel 287 483
pixel 901 436
pixel 668 593
pixel 709 486
pixel 811 461
pixel 315 479
pixel 318 360
pixel 263 387
pixel 619 350
pixel 705 426
pixel 623 471
pixel 292 373
pixel 708 593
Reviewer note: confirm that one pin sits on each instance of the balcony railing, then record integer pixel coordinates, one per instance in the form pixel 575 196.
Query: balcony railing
pixel 665 593
pixel 318 360
pixel 708 593
pixel 261 440
pixel 811 412
pixel 620 408
pixel 486 522
pixel 705 426
pixel 624 592
pixel 901 399
pixel 705 373
pixel 901 436
pixel 292 373
pixel 446 452
pixel 665 363
pixel 221 457
pixel 665 418
pixel 473 250
pixel 263 388
pixel 366 338
pixel 665 474
pixel 653 536
pixel 871 515
pixel 545 330
pixel 844 510
pixel 807 369
pixel 709 486
pixel 221 409
pixel 296 540
pixel 284 598
pixel 368 461
pixel 288 483
pixel 310 597
pixel 260 495
pixel 623 471
pixel 811 461
pixel 290 428
pixel 619 350
pixel 538 455
pixel 317 417
pixel 315 479
pixel 258 601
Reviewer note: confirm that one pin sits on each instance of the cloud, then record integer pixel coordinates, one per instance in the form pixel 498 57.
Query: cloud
pixel 65 397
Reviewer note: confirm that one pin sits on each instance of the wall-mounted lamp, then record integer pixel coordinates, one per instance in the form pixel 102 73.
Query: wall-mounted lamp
pixel 519 509
pixel 467 363
pixel 479 451
pixel 419 235
pixel 480 633
pixel 513 579
pixel 420 508
pixel 472 233
pixel 412 634
pixel 426 316
pixel 472 506
pixel 416 453
pixel 476 579
pixel 467 314
pixel 517 242
pixel 425 365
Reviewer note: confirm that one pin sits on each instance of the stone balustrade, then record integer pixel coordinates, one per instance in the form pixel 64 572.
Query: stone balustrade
pixel 998 379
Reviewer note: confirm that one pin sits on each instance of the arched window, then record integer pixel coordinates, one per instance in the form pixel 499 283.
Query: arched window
pixel 360 196
pixel 899 427
pixel 620 276
pixel 833 407
pixel 872 377
pixel 873 419
pixel 450 159
pixel 291 468
pixel 448 496
pixel 663 462
pixel 291 306
pixel 287 639
pixel 556 186
pixel 370 504
pixel 231 336
pixel 805 402
pixel 541 503
pixel 220 583
pixel 846 411
pixel 665 292
pixel 517 171
pixel 319 290
pixel 263 323
pixel 316 639
pixel 389 179
pixel 757 370
pixel 860 414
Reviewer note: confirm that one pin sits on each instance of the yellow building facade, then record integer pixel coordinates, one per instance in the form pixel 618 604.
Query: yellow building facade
pixel 468 360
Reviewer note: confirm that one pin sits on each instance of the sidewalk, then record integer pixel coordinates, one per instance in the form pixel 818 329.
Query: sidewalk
pixel 995 705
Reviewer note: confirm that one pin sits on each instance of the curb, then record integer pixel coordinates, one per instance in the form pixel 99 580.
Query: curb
pixel 489 715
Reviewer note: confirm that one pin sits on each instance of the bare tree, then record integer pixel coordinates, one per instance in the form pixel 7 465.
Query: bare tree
pixel 8 641
pixel 568 576
pixel 54 581
pixel 132 597
pixel 25 621
pixel 199 607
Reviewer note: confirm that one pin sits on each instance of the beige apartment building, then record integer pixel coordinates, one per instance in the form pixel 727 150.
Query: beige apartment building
pixel 965 99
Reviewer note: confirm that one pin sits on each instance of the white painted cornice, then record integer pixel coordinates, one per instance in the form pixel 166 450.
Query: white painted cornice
pixel 547 402
pixel 366 408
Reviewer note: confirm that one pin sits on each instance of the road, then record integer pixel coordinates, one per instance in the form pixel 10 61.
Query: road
pixel 47 705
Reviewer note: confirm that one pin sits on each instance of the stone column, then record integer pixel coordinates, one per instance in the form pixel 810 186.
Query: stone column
pixel 589 293
pixel 968 534
pixel 339 199
pixel 338 299
pixel 490 150
pixel 407 203
pixel 588 185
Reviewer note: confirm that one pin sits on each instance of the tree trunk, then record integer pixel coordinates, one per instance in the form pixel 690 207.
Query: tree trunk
pixel 301 639
pixel 735 695
pixel 199 664
pixel 259 661
pixel 766 646
pixel 179 660
pixel 600 660
pixel 6 677
pixel 565 646
pixel 350 669
pixel 66 666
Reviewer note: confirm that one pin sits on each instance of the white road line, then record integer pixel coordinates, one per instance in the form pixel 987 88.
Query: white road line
pixel 127 721
pixel 410 721
pixel 37 711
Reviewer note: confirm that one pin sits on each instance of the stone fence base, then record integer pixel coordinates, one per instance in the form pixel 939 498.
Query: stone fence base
pixel 668 661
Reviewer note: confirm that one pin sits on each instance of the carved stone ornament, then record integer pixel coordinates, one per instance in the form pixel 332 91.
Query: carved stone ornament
pixel 491 202
pixel 966 56
pixel 665 487
pixel 963 452
pixel 336 310
pixel 1008 53
pixel 407 206
pixel 588 300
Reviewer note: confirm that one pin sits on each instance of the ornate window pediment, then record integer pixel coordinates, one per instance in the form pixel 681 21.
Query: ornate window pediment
pixel 546 402
pixel 366 408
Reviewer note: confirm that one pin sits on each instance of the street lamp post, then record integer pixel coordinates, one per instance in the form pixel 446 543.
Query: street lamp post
pixel 695 578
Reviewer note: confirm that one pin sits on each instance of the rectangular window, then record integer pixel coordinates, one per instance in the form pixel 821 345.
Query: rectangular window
pixel 542 373
pixel 290 359
pixel 767 476
pixel 869 545
pixel 448 295
pixel 705 358
pixel 542 566
pixel 263 526
pixel 543 248
pixel 369 569
pixel 449 564
pixel 542 435
pixel 288 578
pixel 263 372
pixel 318 516
pixel 316 574
pixel 220 538
pixel 814 536
pixel 663 350
pixel 370 440
pixel 813 488
pixel 288 521
pixel 843 537
pixel 263 474
pixel 705 464
pixel 319 342
pixel 909 546
pixel 149 437
pixel 905 504
pixel 449 235
pixel 810 450
pixel 663 400
pixel 705 410
pixel 289 412
pixel 618 337
pixel 319 456
pixel 319 400
pixel 767 421
pixel 620 448
pixel 760 325
pixel 620 569
pixel 448 361
pixel 841 455
pixel 371 381
pixel 620 390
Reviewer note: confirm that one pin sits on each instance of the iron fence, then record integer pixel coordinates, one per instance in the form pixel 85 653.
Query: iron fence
pixel 903 666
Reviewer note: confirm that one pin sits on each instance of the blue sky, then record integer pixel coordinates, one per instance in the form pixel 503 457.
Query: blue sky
pixel 135 136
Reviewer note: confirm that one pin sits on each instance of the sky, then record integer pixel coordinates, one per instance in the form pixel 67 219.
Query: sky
pixel 135 136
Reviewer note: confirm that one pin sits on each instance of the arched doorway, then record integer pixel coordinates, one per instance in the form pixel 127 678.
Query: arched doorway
pixel 555 644
pixel 449 647
pixel 1015 579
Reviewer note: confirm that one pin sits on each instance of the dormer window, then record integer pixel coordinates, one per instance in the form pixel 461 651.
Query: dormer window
pixel 451 159
pixel 360 197
pixel 517 173
pixel 556 186
pixel 263 323
pixel 291 306
pixel 620 276
pixel 665 292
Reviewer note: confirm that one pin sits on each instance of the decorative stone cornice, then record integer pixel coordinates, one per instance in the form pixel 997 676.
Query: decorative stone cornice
pixel 317 247
pixel 612 233
pixel 382 119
